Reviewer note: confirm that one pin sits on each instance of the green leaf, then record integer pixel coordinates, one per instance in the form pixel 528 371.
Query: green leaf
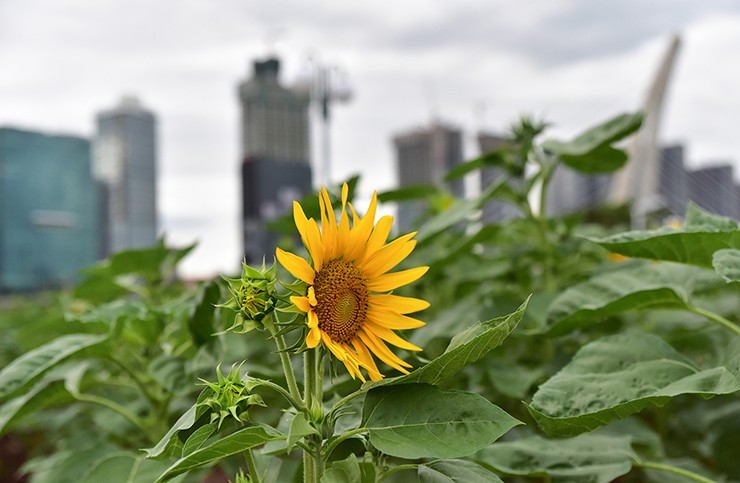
pixel 621 374
pixel 460 211
pixel 45 393
pixel 603 159
pixel 170 443
pixel 169 372
pixel 343 471
pixel 200 323
pixel 727 263
pixel 465 348
pixel 603 134
pixel 123 467
pixel 422 421
pixel 589 458
pixel 299 428
pixel 650 286
pixel 22 372
pixel 455 471
pixel 237 442
pixel 694 244
pixel 199 437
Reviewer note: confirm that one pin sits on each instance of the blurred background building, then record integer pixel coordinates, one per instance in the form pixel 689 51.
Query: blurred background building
pixel 423 157
pixel 48 209
pixel 125 166
pixel 275 154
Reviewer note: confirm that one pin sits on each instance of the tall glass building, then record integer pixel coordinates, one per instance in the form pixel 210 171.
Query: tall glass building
pixel 48 209
pixel 124 162
pixel 275 155
pixel 424 156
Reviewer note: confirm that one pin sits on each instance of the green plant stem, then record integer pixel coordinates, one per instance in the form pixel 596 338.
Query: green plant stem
pixel 334 443
pixel 715 318
pixel 138 422
pixel 298 404
pixel 141 384
pixel 313 467
pixel 396 469
pixel 284 359
pixel 673 469
pixel 548 170
pixel 251 466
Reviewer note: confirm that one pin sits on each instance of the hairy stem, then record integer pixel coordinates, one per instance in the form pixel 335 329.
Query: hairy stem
pixel 673 469
pixel 295 393
pixel 131 417
pixel 715 318
pixel 254 476
pixel 396 469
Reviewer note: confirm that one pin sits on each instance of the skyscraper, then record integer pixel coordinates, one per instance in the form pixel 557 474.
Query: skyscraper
pixel 424 156
pixel 275 154
pixel 713 189
pixel 48 207
pixel 124 163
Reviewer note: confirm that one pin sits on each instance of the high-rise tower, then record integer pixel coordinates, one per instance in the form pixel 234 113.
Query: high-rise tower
pixel 48 206
pixel 275 154
pixel 424 156
pixel 124 163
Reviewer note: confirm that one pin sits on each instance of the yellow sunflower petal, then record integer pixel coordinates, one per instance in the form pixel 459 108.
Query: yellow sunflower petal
pixel 389 256
pixel 316 244
pixel 394 321
pixel 296 265
pixel 353 368
pixel 301 303
pixel 335 348
pixel 313 338
pixel 366 360
pixel 391 281
pixel 299 217
pixel 312 297
pixel 328 226
pixel 313 320
pixel 398 304
pixel 389 336
pixel 378 236
pixel 378 347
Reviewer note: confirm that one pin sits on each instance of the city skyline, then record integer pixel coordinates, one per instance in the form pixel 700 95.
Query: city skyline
pixel 475 64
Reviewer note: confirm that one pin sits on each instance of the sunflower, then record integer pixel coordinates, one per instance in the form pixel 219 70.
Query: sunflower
pixel 345 309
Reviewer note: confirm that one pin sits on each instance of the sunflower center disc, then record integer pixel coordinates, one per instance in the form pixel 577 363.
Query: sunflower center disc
pixel 341 296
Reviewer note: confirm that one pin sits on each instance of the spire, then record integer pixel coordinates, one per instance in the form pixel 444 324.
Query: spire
pixel 638 181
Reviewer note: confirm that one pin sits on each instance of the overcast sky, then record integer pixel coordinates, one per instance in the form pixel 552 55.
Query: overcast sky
pixel 476 64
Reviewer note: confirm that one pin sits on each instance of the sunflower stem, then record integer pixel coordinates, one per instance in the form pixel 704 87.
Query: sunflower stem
pixel 295 393
pixel 313 466
pixel 715 318
pixel 673 469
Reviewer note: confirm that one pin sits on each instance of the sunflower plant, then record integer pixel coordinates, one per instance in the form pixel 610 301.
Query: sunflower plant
pixel 544 347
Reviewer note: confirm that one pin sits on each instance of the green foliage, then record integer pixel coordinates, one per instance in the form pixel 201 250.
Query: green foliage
pixel 589 458
pixel 695 243
pixel 535 332
pixel 419 421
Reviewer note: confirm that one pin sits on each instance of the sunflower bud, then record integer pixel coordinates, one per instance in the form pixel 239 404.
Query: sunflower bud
pixel 253 297
pixel 229 396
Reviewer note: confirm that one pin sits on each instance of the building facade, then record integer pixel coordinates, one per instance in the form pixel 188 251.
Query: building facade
pixel 275 155
pixel 713 188
pixel 424 156
pixel 125 165
pixel 48 203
